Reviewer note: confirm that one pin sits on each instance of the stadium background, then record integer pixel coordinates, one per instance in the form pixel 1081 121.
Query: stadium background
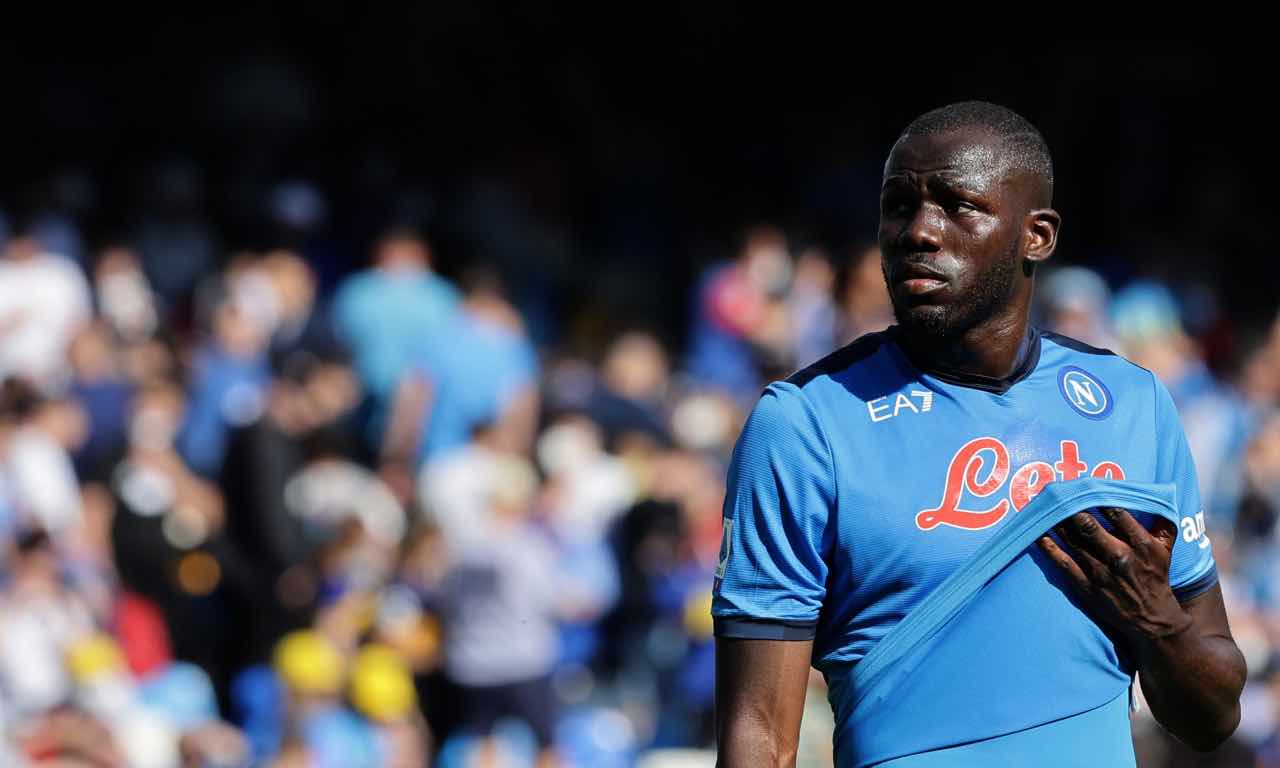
pixel 211 301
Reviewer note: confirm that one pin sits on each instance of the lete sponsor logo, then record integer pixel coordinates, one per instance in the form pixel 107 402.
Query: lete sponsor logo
pixel 981 467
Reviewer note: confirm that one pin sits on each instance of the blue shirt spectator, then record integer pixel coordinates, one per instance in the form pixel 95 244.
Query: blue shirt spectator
pixel 383 313
pixel 228 386
pixel 474 366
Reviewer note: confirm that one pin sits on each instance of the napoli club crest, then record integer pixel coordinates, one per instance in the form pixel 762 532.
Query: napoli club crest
pixel 1088 396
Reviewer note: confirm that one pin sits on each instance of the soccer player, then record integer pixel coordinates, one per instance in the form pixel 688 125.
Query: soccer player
pixel 863 481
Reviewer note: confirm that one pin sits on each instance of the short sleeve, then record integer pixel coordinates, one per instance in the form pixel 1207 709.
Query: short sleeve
pixel 771 578
pixel 1192 571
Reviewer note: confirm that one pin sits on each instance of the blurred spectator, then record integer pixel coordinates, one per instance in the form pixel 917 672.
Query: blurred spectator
pixel 1257 537
pixel 66 736
pixel 455 489
pixel 475 369
pixel 230 373
pixel 276 478
pixel 863 298
pixel 585 492
pixel 706 421
pixel 41 619
pixel 317 728
pixel 40 478
pixel 740 324
pixel 382 691
pixel 99 384
pixel 330 490
pixel 630 402
pixel 300 327
pixel 812 308
pixel 1146 323
pixel 587 488
pixel 167 528
pixel 44 301
pixel 123 294
pixel 501 585
pixel 383 314
pixel 1073 302
pixel 159 720
pixel 1260 379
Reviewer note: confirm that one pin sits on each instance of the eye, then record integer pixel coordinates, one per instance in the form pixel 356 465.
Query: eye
pixel 896 206
pixel 961 206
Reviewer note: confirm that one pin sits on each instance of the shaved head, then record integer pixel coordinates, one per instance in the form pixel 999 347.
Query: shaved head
pixel 964 219
pixel 1022 148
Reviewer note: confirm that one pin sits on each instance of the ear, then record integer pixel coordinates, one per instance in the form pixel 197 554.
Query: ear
pixel 1040 232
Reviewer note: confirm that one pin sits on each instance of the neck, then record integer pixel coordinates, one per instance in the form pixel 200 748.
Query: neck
pixel 993 348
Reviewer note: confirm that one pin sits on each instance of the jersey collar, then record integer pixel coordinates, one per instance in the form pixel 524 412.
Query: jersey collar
pixel 1028 359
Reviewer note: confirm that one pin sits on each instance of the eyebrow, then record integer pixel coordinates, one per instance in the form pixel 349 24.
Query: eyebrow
pixel 952 178
pixel 961 182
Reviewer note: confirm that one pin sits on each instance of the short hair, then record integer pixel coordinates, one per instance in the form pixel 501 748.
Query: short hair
pixel 1026 146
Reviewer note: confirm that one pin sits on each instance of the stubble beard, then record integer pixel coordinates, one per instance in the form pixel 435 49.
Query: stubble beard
pixel 989 292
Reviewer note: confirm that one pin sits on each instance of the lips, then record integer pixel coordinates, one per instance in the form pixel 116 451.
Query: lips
pixel 921 286
pixel 919 280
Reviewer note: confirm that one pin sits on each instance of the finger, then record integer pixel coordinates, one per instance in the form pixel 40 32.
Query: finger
pixel 1127 528
pixel 1115 559
pixel 1092 567
pixel 1065 563
pixel 1085 532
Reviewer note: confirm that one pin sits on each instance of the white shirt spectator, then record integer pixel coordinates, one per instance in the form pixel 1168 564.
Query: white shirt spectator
pixel 35 632
pixel 456 488
pixel 499 602
pixel 328 492
pixel 41 481
pixel 44 301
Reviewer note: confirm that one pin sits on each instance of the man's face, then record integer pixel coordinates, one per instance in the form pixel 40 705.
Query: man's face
pixel 950 231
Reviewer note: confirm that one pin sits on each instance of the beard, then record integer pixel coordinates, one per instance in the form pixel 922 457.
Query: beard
pixel 987 292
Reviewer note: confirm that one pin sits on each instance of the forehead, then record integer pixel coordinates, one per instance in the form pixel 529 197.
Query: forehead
pixel 973 156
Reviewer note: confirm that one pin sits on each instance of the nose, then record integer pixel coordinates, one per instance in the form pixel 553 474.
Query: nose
pixel 922 232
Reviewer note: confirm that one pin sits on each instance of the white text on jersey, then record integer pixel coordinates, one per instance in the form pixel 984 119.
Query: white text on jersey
pixel 881 409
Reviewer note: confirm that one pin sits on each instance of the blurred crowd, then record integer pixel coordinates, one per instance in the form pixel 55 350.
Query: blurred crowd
pixel 246 519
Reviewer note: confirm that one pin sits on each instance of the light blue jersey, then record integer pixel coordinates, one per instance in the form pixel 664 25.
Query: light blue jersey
pixel 862 482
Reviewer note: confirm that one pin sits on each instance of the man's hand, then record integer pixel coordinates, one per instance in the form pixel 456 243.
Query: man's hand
pixel 1191 670
pixel 1122 578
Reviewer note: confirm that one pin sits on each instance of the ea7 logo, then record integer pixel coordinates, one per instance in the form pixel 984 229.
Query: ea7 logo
pixel 1193 529
pixel 881 409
